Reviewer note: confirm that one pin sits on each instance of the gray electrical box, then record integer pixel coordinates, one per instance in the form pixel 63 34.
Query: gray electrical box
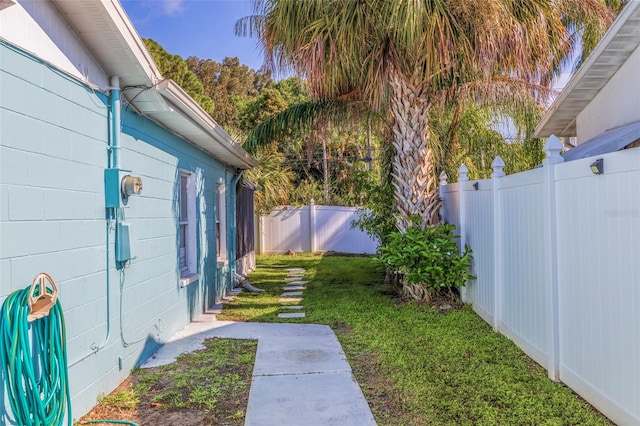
pixel 123 242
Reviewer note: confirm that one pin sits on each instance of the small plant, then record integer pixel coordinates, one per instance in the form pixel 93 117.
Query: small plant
pixel 427 259
pixel 125 399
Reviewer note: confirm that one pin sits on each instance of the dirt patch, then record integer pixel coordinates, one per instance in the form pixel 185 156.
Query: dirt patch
pixel 206 387
pixel 383 399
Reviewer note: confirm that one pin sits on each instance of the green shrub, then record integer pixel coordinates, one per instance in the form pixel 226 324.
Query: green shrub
pixel 428 258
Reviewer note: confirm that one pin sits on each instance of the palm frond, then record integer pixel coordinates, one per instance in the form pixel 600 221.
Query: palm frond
pixel 297 117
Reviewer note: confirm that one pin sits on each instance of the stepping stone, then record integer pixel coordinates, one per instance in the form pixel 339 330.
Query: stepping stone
pixel 297 282
pixel 293 278
pixel 295 269
pixel 291 293
pixel 293 287
pixel 292 315
pixel 292 307
pixel 290 299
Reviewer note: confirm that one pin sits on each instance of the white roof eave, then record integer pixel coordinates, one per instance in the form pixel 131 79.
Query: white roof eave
pixel 106 30
pixel 607 57
pixel 201 128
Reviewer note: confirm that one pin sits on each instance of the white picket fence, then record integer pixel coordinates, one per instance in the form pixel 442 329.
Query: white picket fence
pixel 557 259
pixel 312 228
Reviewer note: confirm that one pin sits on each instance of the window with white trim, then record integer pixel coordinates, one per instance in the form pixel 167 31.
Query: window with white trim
pixel 187 249
pixel 221 223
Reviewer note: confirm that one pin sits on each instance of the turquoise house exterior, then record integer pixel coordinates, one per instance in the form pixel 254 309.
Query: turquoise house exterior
pixel 82 105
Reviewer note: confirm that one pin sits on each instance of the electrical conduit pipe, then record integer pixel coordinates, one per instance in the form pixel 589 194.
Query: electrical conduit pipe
pixel 113 160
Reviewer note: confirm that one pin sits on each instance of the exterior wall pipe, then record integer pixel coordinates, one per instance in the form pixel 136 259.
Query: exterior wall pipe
pixel 115 121
pixel 113 160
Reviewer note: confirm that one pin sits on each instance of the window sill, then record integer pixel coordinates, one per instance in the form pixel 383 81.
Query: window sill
pixel 222 263
pixel 185 280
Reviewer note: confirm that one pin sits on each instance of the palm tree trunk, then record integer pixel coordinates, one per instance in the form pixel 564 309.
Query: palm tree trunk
pixel 414 179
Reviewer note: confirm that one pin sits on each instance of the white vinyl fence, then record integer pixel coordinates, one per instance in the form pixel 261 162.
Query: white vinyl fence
pixel 312 228
pixel 557 264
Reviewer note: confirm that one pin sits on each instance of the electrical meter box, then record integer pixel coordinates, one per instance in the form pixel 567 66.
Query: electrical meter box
pixel 118 186
pixel 124 240
pixel 112 188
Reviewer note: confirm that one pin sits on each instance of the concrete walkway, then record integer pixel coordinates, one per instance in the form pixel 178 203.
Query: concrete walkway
pixel 300 377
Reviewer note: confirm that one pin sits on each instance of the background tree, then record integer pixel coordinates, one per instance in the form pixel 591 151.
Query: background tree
pixel 231 85
pixel 273 178
pixel 474 135
pixel 176 68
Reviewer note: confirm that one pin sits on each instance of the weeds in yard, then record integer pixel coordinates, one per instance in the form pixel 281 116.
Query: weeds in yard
pixel 209 387
pixel 416 365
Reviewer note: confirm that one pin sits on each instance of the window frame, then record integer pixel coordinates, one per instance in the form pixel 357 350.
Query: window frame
pixel 189 269
pixel 221 224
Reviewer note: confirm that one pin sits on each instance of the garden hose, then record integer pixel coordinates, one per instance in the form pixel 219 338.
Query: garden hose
pixel 35 377
pixel 34 363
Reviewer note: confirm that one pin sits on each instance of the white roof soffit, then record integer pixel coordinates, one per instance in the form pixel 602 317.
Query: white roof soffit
pixel 106 30
pixel 615 47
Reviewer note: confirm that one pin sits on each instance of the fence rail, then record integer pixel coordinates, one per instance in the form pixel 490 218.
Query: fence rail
pixel 312 228
pixel 557 268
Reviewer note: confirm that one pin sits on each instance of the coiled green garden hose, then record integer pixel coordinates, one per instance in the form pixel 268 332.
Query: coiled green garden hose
pixel 36 376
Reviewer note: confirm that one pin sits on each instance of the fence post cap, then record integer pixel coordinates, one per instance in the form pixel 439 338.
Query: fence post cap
pixel 443 178
pixel 462 173
pixel 498 166
pixel 552 148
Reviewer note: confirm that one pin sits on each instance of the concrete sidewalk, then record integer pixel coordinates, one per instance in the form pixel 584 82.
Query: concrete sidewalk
pixel 300 377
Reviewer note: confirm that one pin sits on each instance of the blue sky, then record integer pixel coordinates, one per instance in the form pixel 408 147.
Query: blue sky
pixel 205 28
pixel 202 28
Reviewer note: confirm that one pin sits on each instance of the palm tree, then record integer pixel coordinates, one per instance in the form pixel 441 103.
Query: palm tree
pixel 402 57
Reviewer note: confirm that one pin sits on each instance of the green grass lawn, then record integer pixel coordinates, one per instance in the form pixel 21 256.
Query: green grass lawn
pixel 416 365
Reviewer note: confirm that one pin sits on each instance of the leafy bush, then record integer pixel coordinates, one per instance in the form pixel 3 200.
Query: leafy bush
pixel 428 258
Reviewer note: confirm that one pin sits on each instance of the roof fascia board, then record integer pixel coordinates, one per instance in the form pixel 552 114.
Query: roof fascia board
pixel 191 110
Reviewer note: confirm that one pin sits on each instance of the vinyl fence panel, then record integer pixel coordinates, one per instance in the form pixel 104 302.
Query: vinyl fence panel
pixel 334 232
pixel 286 228
pixel 556 258
pixel 313 228
pixel 479 236
pixel 599 268
pixel 523 303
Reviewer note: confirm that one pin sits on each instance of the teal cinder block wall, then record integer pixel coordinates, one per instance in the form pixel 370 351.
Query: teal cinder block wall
pixel 53 152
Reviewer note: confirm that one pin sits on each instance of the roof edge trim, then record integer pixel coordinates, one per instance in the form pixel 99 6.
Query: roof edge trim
pixel 617 24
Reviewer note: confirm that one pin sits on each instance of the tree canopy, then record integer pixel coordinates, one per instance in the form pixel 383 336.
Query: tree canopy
pixel 403 58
